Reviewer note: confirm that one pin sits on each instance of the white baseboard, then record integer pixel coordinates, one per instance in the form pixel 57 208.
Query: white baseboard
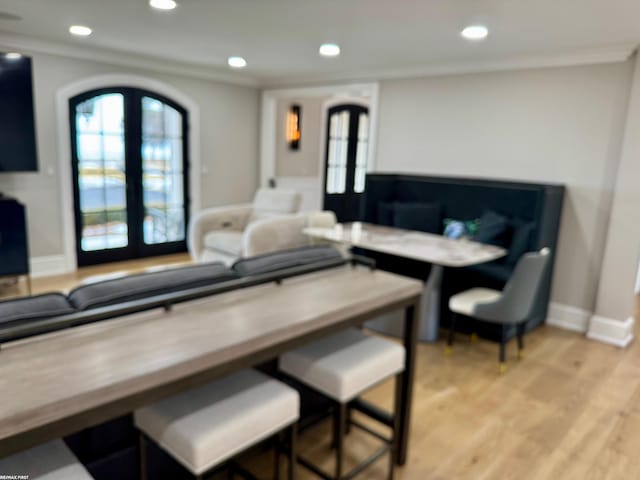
pixel 568 317
pixel 613 332
pixel 48 265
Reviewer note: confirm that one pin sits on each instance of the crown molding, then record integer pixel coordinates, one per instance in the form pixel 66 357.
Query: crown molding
pixel 30 44
pixel 612 54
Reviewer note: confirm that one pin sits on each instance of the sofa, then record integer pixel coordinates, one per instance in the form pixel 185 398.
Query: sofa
pixel 517 216
pixel 218 234
pixel 110 450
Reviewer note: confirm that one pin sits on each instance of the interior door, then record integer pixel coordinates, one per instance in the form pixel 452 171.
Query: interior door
pixel 347 149
pixel 130 164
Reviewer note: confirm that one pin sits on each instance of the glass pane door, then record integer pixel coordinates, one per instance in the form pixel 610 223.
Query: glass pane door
pixel 347 150
pixel 162 173
pixel 101 173
pixel 130 175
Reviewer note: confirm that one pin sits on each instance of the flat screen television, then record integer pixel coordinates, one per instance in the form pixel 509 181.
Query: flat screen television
pixel 17 119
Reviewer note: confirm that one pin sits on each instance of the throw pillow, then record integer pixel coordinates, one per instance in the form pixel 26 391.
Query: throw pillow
pixel 385 213
pixel 492 228
pixel 459 228
pixel 520 240
pixel 424 217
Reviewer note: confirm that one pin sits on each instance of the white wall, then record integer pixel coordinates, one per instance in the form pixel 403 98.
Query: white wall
pixel 304 162
pixel 229 117
pixel 550 125
pixel 619 278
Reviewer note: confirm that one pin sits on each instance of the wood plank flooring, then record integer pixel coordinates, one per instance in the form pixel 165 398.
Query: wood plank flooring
pixel 569 410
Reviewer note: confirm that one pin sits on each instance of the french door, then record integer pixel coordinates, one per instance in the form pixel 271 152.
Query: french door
pixel 347 149
pixel 130 174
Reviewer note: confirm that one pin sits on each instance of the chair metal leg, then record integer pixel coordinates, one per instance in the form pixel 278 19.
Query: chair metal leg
pixel 276 457
pixel 341 424
pixel 334 427
pixel 503 356
pixel 521 341
pixel 452 332
pixel 143 457
pixel 395 436
pixel 293 434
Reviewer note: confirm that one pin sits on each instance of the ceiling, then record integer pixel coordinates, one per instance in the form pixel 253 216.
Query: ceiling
pixel 280 38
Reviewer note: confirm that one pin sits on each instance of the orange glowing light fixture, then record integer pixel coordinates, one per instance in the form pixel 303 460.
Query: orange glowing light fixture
pixel 293 127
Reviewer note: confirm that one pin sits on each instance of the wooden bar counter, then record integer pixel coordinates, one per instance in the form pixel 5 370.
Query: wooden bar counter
pixel 55 384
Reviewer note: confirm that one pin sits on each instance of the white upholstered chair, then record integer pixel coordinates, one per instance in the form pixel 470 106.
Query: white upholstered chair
pixel 215 234
pixel 49 461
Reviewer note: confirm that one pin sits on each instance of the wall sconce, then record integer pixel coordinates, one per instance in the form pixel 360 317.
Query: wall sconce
pixel 293 127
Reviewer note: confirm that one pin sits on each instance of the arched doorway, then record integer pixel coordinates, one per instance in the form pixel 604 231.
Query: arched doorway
pixel 347 153
pixel 130 162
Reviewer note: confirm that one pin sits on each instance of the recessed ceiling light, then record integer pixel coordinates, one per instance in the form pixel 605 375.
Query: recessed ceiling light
pixel 237 62
pixel 329 50
pixel 13 56
pixel 475 32
pixel 80 30
pixel 163 4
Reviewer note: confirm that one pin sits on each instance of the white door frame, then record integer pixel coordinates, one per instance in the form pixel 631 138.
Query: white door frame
pixel 64 145
pixel 342 93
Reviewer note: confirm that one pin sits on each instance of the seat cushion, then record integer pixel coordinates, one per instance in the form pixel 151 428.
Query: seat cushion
pixel 22 310
pixel 465 302
pixel 206 426
pixel 136 287
pixel 50 461
pixel 272 262
pixel 343 366
pixel 227 241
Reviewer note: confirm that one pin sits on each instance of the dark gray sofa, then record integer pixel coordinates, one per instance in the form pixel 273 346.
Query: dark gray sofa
pixel 109 450
pixel 26 316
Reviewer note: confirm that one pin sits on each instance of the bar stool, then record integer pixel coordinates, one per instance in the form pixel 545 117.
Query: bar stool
pixel 50 461
pixel 206 427
pixel 341 367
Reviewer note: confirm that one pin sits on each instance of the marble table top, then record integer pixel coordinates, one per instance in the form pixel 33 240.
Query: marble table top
pixel 425 247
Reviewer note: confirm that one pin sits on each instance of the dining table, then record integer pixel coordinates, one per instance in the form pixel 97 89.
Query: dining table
pixel 437 251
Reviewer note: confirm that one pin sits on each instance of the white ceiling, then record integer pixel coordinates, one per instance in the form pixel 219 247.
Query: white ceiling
pixel 280 38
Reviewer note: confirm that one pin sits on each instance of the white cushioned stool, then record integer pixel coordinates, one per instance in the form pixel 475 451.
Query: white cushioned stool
pixel 50 461
pixel 204 427
pixel 341 367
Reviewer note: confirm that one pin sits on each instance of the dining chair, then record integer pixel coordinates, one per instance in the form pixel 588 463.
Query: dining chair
pixel 511 307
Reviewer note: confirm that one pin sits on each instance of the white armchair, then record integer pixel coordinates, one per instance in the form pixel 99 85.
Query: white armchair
pixel 216 234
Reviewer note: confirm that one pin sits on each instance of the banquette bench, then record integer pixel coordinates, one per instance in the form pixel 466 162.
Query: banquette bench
pixel 517 216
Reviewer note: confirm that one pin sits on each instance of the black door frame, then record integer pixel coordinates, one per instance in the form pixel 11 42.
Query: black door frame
pixel 345 205
pixel 136 247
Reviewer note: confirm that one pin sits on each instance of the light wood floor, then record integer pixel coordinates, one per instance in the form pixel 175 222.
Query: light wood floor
pixel 569 410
